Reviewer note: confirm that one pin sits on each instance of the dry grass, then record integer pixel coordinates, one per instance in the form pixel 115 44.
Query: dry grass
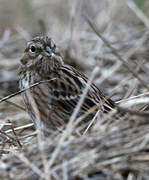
pixel 117 41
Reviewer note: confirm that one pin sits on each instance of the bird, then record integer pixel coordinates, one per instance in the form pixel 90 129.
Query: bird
pixel 58 86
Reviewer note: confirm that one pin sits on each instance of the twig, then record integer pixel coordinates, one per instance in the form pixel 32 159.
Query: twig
pixel 69 126
pixel 133 97
pixel 19 92
pixel 20 127
pixel 15 134
pixel 133 112
pixel 129 68
pixel 2 99
pixel 6 135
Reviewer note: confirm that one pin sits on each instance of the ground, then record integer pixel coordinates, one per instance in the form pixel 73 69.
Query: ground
pixel 116 146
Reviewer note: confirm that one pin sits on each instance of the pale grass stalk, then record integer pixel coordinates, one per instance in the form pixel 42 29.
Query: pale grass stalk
pixel 69 127
pixel 20 127
pixel 105 74
pixel 131 89
pixel 89 156
pixel 39 136
pixel 120 85
pixel 92 121
pixel 134 101
pixel 65 169
pixel 133 98
pixel 115 53
pixel 79 119
pixel 29 135
pixel 28 163
pixel 138 12
pixel 91 110
pixel 135 83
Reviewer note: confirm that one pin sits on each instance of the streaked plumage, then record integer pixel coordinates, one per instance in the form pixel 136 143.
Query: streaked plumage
pixel 56 99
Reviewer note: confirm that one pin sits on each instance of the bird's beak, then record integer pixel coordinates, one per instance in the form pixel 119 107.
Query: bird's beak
pixel 44 53
pixel 24 58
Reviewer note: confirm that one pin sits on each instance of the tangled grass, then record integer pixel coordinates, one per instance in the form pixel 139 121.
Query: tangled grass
pixel 116 145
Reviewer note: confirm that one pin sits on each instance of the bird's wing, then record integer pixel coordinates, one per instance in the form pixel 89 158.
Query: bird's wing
pixel 67 88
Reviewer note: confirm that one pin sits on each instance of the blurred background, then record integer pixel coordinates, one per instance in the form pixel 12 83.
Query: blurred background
pixel 20 20
pixel 124 23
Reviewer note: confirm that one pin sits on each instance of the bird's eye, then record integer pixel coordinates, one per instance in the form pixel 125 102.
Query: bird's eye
pixel 32 48
pixel 48 50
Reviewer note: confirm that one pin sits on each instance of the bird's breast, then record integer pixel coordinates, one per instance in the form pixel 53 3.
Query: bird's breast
pixel 27 79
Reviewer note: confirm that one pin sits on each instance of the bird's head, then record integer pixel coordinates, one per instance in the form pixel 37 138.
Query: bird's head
pixel 41 54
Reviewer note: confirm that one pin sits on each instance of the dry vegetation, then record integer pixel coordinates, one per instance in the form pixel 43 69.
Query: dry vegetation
pixel 115 147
